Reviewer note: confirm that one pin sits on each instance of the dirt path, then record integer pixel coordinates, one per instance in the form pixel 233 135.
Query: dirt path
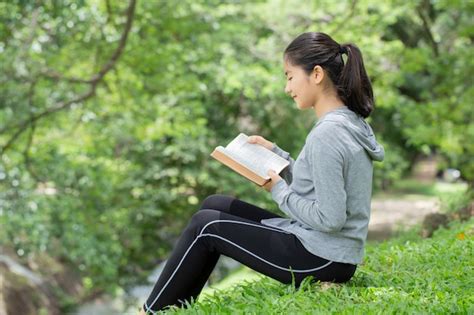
pixel 390 214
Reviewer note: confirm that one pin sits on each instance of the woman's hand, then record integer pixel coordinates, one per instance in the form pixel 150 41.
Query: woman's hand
pixel 275 178
pixel 260 140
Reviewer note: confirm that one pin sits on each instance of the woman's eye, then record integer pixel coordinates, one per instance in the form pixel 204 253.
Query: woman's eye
pixel 289 79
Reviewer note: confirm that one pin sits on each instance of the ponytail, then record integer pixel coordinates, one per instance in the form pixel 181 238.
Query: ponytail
pixel 354 85
pixel 351 81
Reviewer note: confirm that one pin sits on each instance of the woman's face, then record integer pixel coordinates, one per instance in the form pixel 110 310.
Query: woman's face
pixel 300 86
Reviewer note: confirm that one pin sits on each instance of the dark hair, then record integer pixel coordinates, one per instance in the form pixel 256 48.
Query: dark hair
pixel 351 81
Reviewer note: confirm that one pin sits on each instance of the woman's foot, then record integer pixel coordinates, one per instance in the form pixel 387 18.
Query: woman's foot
pixel 142 311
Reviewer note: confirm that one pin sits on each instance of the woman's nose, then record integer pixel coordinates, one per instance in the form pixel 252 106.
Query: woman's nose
pixel 287 89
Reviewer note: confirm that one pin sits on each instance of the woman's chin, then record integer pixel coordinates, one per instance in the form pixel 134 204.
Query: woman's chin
pixel 302 106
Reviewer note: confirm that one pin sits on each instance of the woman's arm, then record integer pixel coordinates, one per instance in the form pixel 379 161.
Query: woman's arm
pixel 287 173
pixel 328 212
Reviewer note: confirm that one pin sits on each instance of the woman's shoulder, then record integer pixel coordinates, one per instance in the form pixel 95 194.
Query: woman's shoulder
pixel 327 129
pixel 331 137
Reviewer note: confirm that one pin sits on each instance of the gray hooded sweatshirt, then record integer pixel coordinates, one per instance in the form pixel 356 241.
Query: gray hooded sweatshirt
pixel 326 192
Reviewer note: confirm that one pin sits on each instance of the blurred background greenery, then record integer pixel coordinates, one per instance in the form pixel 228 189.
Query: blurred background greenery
pixel 109 111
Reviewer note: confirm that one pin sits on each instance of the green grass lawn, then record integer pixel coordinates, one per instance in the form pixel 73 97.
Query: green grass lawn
pixel 404 275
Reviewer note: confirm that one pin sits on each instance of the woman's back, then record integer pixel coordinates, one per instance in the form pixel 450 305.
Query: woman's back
pixel 328 199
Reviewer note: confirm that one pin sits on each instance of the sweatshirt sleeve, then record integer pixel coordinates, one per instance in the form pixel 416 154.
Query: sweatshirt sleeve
pixel 287 172
pixel 326 163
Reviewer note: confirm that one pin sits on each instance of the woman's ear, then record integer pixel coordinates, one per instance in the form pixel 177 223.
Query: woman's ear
pixel 317 74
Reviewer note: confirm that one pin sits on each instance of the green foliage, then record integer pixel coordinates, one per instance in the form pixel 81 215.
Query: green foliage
pixel 456 200
pixel 437 80
pixel 100 182
pixel 393 168
pixel 404 275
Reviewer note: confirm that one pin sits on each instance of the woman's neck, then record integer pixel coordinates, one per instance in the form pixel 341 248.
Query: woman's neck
pixel 326 104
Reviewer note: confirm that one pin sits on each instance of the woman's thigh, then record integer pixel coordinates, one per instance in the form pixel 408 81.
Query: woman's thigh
pixel 237 207
pixel 270 251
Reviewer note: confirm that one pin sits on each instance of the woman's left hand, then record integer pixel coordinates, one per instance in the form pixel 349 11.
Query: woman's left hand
pixel 275 178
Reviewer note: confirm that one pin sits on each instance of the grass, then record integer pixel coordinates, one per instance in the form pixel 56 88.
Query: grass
pixel 404 275
pixel 243 273
pixel 410 188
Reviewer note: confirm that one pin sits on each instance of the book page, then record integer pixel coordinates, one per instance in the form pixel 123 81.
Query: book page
pixel 238 159
pixel 255 156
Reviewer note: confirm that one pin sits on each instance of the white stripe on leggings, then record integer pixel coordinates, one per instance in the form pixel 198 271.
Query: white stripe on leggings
pixel 148 308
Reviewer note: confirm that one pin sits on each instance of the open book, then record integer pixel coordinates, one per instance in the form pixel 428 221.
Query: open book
pixel 249 160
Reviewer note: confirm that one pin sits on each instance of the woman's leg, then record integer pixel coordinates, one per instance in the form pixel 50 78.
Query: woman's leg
pixel 234 206
pixel 270 251
pixel 237 207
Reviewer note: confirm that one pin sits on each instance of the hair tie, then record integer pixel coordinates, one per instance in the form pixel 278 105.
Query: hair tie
pixel 342 50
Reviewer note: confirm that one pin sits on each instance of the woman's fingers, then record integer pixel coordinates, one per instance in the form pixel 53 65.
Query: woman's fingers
pixel 260 140
pixel 255 139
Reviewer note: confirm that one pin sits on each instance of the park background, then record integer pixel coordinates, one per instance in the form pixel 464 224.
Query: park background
pixel 109 111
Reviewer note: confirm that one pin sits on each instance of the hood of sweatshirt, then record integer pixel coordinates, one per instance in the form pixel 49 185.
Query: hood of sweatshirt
pixel 359 129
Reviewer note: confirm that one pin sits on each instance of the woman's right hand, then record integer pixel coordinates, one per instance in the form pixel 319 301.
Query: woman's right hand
pixel 260 140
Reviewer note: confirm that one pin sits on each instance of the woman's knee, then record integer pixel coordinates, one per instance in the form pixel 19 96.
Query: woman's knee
pixel 199 220
pixel 217 202
pixel 203 217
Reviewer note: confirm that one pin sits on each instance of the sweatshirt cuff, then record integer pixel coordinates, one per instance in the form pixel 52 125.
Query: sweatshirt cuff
pixel 279 191
pixel 276 149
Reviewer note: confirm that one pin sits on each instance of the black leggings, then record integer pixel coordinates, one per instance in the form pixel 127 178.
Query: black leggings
pixel 229 226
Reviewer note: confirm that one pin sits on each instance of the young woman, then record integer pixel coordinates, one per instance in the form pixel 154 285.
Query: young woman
pixel 325 193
